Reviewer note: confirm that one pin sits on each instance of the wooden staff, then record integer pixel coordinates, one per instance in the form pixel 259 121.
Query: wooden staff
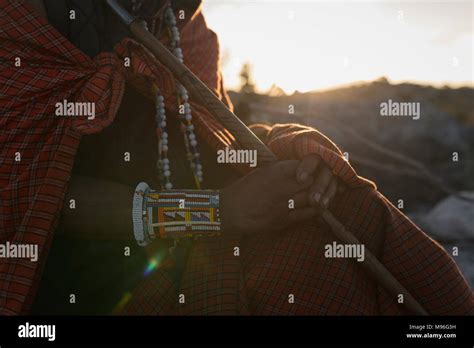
pixel 249 140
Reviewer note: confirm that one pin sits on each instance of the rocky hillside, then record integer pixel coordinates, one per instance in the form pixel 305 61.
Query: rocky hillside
pixel 412 160
pixel 351 117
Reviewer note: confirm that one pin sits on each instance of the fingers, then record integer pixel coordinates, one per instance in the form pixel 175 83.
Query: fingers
pixel 321 191
pixel 341 187
pixel 320 186
pixel 300 200
pixel 287 168
pixel 306 168
pixel 286 175
pixel 301 210
pixel 330 192
pixel 299 215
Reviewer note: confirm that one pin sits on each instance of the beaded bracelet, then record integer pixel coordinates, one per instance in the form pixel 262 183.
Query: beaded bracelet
pixel 138 214
pixel 175 214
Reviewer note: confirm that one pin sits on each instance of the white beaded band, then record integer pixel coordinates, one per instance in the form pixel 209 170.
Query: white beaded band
pixel 137 214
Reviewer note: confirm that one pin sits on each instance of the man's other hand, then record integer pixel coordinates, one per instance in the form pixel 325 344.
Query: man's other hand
pixel 325 185
pixel 268 198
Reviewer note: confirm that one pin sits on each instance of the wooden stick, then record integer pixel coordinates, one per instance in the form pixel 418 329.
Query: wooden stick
pixel 247 139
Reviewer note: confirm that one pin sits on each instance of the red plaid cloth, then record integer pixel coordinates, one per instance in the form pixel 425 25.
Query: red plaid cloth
pixel 270 266
pixel 52 70
pixel 273 266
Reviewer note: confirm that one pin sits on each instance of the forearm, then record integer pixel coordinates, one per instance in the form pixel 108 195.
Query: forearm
pixel 101 209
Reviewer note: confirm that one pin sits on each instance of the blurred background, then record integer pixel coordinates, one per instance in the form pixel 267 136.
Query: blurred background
pixel 330 65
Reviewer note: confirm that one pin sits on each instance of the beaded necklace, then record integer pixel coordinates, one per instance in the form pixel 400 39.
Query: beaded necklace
pixel 184 112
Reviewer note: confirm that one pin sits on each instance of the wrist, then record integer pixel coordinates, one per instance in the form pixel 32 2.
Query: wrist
pixel 180 214
pixel 138 214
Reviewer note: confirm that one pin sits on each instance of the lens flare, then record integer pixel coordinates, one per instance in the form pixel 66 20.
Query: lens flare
pixel 121 304
pixel 153 264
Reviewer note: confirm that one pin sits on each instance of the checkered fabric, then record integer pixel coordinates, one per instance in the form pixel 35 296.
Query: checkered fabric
pixel 269 267
pixel 272 266
pixel 39 68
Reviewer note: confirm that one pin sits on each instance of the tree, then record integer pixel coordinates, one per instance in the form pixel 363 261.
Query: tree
pixel 247 94
pixel 247 86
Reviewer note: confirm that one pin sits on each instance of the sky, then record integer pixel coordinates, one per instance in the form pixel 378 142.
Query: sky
pixel 317 45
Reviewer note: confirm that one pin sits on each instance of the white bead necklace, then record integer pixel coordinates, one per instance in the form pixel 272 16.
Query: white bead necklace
pixel 185 117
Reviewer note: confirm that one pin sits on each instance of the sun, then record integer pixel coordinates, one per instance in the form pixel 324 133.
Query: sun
pixel 317 45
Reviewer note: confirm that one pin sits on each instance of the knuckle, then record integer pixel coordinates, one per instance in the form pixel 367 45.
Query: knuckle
pixel 327 172
pixel 317 187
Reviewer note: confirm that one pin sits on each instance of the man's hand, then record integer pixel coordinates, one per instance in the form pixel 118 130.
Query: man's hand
pixel 260 201
pixel 325 184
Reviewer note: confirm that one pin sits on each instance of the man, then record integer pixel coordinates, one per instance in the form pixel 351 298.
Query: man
pixel 269 255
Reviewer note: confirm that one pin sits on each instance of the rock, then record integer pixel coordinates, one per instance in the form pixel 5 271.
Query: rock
pixel 451 219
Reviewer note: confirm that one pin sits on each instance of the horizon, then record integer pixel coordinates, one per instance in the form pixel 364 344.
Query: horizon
pixel 355 84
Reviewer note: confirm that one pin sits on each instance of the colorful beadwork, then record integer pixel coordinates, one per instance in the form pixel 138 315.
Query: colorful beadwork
pixel 178 214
